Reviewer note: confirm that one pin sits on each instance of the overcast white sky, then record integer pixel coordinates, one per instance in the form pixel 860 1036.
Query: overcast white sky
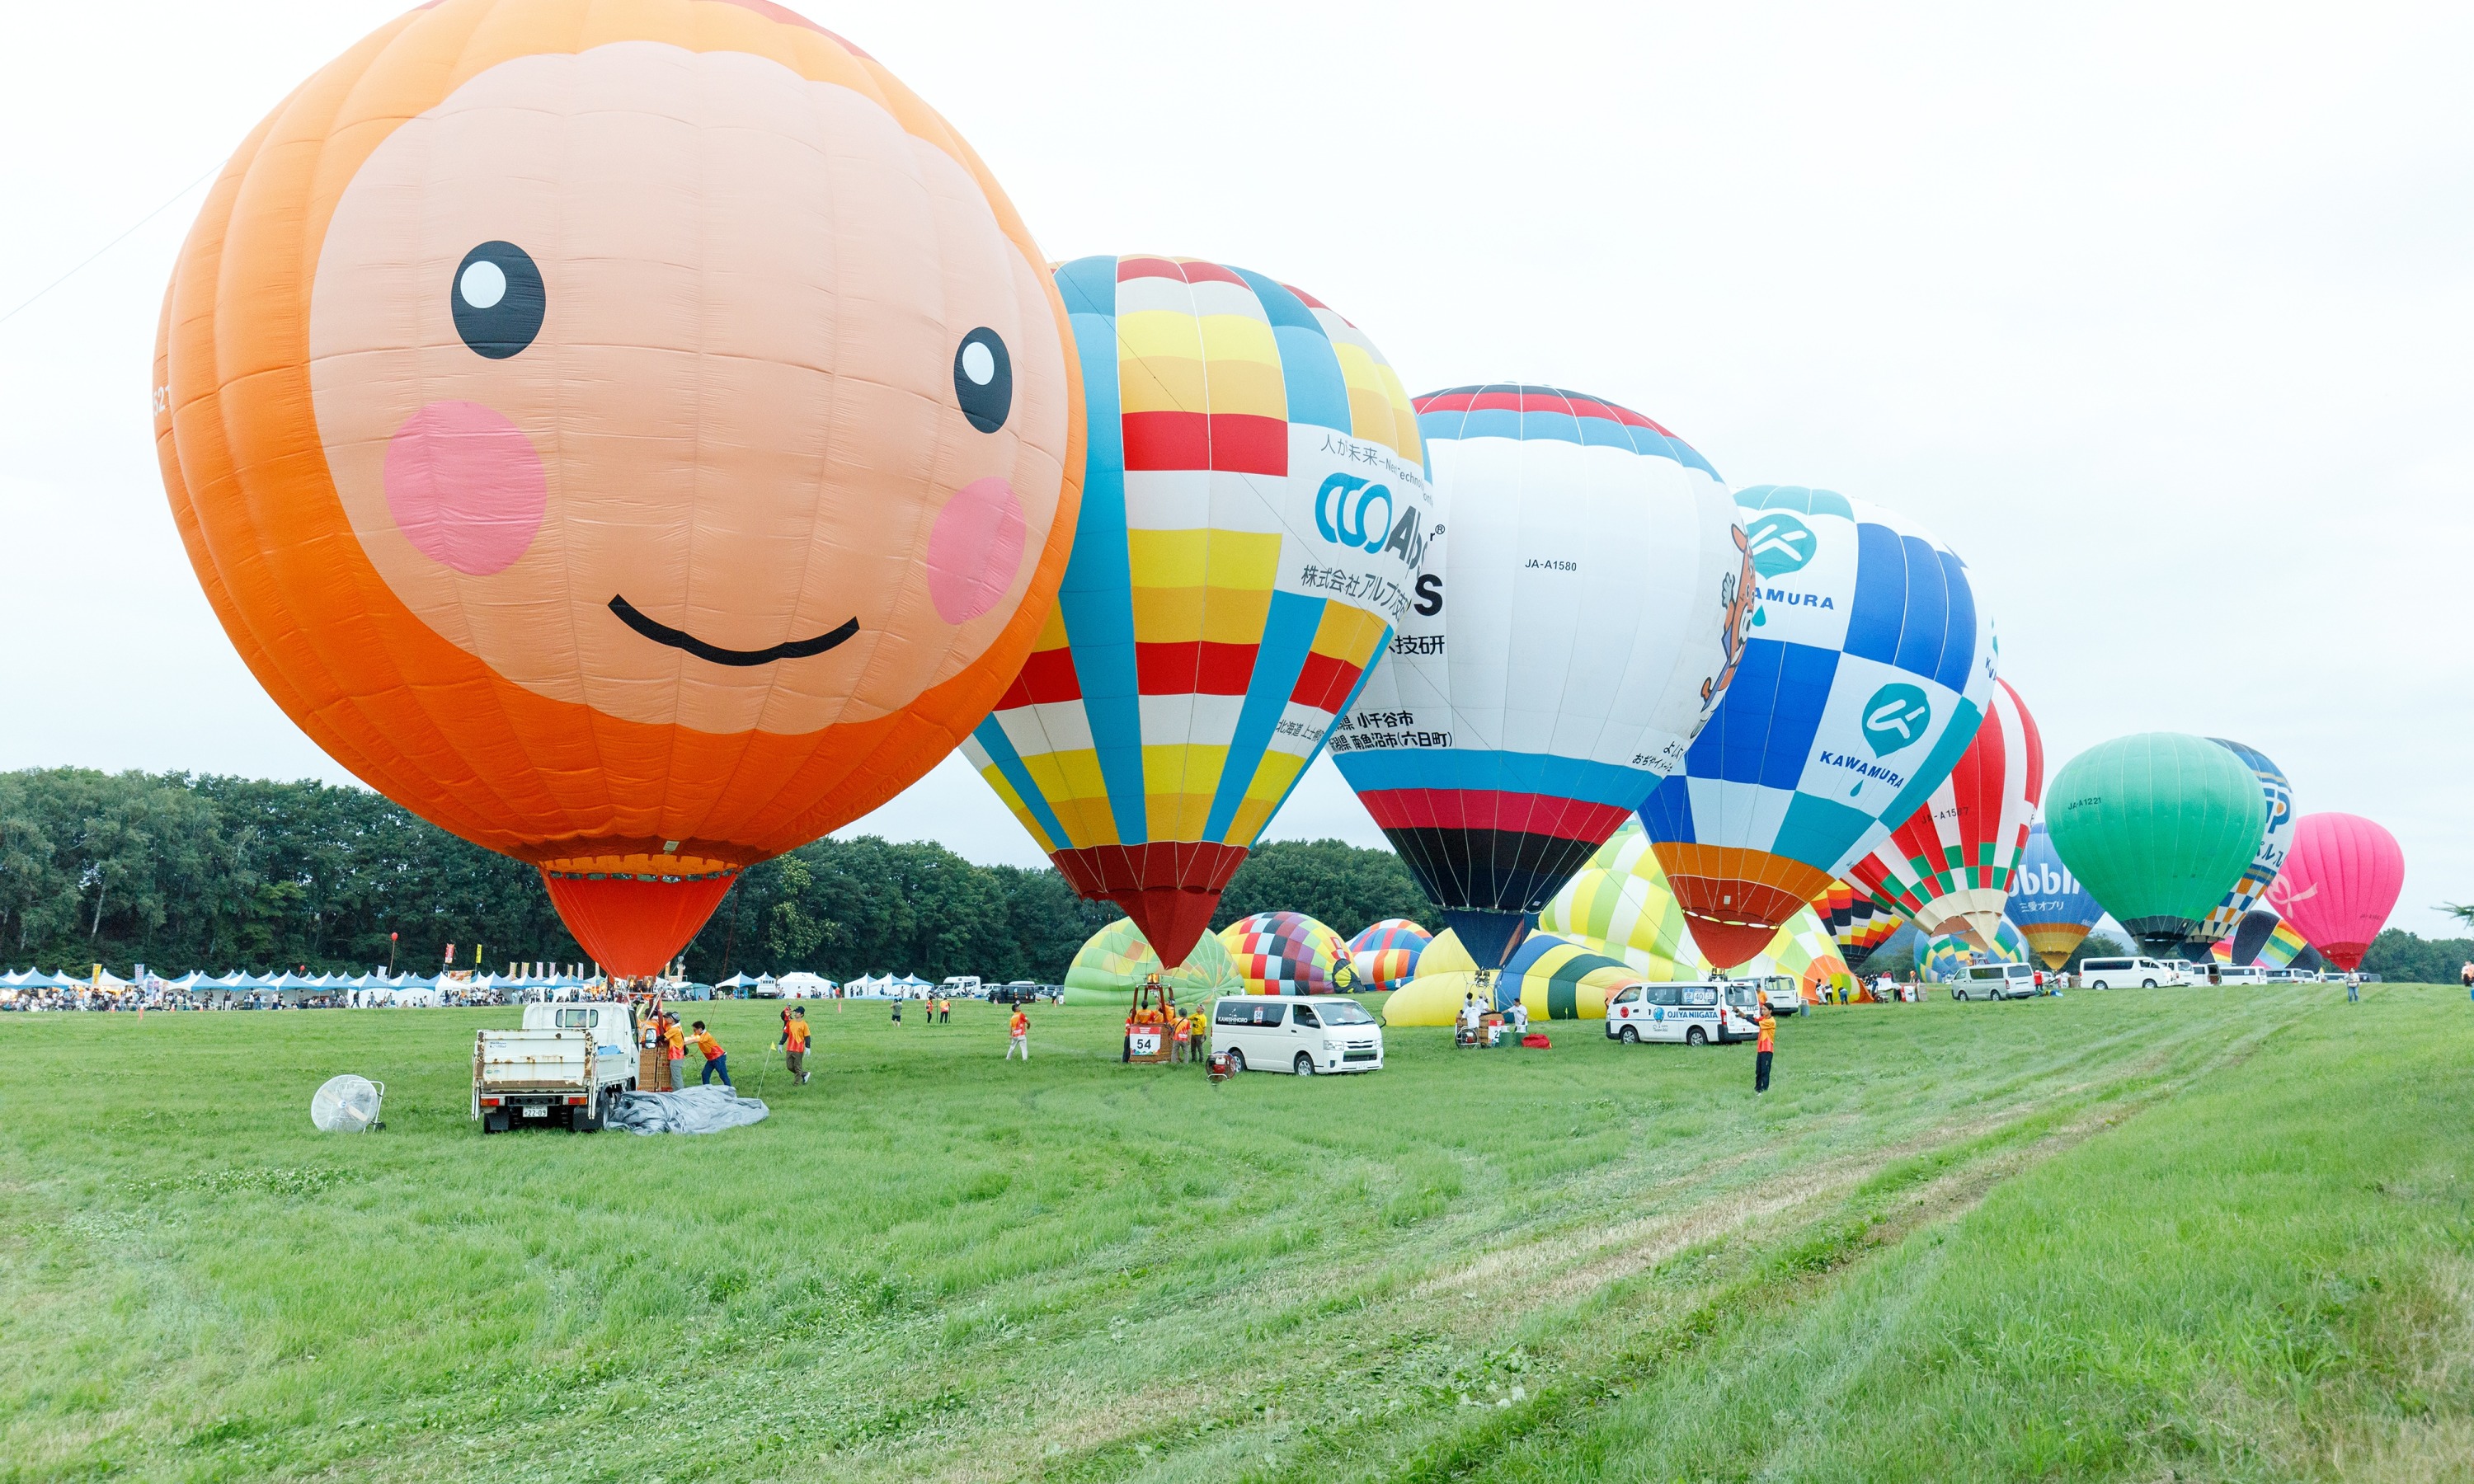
pixel 2162 316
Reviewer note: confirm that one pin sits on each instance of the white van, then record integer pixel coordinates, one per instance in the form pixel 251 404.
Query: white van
pixel 1694 1014
pixel 1996 981
pixel 2233 973
pixel 1328 1033
pixel 2119 973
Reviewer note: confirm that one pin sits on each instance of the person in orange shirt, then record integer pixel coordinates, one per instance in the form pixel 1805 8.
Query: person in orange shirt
pixel 714 1059
pixel 1763 1049
pixel 794 1044
pixel 674 1037
pixel 1019 1029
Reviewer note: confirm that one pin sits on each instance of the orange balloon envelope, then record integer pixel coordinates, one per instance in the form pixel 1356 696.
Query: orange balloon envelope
pixel 636 438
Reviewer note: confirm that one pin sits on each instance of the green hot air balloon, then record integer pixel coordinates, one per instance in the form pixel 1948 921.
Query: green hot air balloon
pixel 2156 827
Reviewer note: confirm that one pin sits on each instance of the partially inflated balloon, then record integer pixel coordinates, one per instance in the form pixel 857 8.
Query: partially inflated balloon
pixel 1384 955
pixel 2277 795
pixel 1571 634
pixel 638 439
pixel 2251 935
pixel 1948 958
pixel 1857 922
pixel 1949 864
pixel 1256 512
pixel 2340 882
pixel 2049 907
pixel 1620 904
pixel 2155 825
pixel 1869 668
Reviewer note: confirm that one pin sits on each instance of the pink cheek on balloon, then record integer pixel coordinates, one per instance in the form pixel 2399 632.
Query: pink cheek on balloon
pixel 975 549
pixel 464 486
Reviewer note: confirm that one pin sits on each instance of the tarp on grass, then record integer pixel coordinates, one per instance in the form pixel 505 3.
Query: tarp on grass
pixel 700 1109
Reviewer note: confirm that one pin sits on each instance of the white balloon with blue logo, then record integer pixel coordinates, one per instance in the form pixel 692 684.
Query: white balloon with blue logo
pixel 1869 669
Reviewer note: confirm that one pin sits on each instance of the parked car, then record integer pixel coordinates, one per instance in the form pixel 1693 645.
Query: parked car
pixel 1328 1033
pixel 2118 974
pixel 1695 1014
pixel 1996 981
pixel 1782 996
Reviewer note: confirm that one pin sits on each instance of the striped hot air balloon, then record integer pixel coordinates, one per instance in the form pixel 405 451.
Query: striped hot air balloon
pixel 1857 923
pixel 1573 631
pixel 2049 907
pixel 1948 957
pixel 1948 866
pixel 1620 904
pixel 1869 667
pixel 1386 953
pixel 2276 794
pixel 1255 511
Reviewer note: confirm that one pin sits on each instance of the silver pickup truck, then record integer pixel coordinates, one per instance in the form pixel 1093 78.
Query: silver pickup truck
pixel 562 1069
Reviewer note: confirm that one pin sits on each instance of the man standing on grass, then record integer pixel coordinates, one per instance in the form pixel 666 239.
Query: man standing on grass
pixel 794 1044
pixel 714 1059
pixel 2353 987
pixel 1763 1048
pixel 1018 1030
pixel 675 1039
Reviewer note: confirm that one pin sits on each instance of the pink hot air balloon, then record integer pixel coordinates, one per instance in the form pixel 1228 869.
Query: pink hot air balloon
pixel 2339 883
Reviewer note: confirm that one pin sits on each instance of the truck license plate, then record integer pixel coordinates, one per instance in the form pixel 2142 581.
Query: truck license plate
pixel 536 1113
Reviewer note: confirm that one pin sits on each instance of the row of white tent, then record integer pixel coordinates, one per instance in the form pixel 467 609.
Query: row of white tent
pixel 241 981
pixel 807 986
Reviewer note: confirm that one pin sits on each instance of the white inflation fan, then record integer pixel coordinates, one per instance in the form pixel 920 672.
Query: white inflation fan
pixel 347 1105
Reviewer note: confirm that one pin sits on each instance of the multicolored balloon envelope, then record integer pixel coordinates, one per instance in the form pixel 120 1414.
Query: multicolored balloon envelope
pixel 1115 960
pixel 1286 953
pixel 2252 933
pixel 1557 978
pixel 1386 953
pixel 1948 866
pixel 1870 666
pixel 1619 903
pixel 1857 923
pixel 1950 956
pixel 2047 903
pixel 2225 916
pixel 2339 885
pixel 2155 825
pixel 1570 635
pixel 637 439
pixel 1255 512
pixel 2282 947
pixel 1803 950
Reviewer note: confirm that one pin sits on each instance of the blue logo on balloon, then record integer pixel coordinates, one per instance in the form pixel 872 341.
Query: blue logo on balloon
pixel 1896 718
pixel 1345 511
pixel 1779 543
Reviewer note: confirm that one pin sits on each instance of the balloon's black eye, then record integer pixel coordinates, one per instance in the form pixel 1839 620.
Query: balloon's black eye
pixel 983 379
pixel 497 298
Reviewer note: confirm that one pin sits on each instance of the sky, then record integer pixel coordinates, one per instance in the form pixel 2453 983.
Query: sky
pixel 2161 316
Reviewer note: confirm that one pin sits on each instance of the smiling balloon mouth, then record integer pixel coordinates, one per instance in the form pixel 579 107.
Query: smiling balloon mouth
pixel 680 638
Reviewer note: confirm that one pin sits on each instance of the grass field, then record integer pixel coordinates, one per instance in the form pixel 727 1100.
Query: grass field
pixel 2188 1234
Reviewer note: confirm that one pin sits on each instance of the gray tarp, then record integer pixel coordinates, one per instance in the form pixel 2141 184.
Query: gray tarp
pixel 703 1109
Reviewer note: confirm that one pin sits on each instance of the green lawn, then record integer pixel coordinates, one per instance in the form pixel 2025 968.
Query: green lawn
pixel 2196 1234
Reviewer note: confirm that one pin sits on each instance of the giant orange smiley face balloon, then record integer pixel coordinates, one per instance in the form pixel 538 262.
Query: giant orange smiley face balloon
pixel 634 434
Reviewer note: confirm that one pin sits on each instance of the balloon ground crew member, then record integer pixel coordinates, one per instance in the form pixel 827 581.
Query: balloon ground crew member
pixel 1763 1050
pixel 794 1044
pixel 675 1037
pixel 1018 1029
pixel 714 1059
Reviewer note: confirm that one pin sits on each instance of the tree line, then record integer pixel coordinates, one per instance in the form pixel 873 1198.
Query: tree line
pixel 180 871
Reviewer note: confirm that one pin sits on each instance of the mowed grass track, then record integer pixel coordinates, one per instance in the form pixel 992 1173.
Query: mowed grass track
pixel 2211 1232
